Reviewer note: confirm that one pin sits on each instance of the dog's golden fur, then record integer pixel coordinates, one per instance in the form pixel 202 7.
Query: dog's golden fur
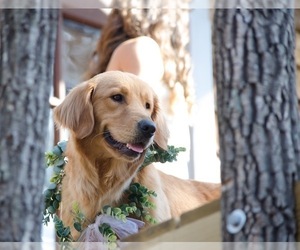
pixel 111 105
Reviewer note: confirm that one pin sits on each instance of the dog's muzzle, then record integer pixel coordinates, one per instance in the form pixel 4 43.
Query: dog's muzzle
pixel 145 131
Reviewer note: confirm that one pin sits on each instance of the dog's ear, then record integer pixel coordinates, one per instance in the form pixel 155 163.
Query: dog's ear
pixel 162 132
pixel 76 111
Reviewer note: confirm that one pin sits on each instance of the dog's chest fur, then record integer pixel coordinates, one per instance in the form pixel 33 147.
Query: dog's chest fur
pixel 94 186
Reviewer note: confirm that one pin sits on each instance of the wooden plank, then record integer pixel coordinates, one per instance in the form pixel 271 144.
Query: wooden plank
pixel 206 229
pixel 200 212
pixel 154 231
pixel 200 225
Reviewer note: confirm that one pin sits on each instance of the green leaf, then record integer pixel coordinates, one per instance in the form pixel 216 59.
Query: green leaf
pixel 107 210
pixel 152 193
pixel 143 199
pixel 133 189
pixel 57 151
pixel 66 232
pixel 122 217
pixel 136 184
pixel 132 204
pixel 54 178
pixel 103 227
pixel 62 145
pixel 48 193
pixel 51 210
pixel 59 163
pixel 58 197
pixel 57 169
pixel 138 213
pixel 55 205
pixel 77 226
pixel 131 210
pixel 112 237
pixel 75 208
pixel 116 211
pixel 52 186
pixel 147 217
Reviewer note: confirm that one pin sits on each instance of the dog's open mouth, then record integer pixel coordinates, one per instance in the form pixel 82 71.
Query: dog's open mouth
pixel 129 149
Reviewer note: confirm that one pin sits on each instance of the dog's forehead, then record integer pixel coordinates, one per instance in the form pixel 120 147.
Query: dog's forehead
pixel 123 81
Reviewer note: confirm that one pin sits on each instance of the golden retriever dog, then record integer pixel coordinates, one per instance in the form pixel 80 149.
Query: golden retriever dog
pixel 112 119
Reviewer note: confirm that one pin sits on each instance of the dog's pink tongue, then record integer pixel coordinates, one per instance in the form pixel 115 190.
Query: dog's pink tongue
pixel 136 148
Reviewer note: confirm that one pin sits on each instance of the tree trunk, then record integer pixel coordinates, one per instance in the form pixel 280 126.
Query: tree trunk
pixel 26 73
pixel 258 121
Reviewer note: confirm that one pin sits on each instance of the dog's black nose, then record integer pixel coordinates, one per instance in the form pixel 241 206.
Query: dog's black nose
pixel 147 128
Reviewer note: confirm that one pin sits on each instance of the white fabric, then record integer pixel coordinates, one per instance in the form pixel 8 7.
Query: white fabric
pixel 122 228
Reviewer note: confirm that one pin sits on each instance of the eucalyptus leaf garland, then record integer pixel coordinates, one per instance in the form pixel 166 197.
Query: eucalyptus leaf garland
pixel 138 195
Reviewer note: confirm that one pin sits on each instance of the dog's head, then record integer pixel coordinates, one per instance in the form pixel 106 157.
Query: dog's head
pixel 117 111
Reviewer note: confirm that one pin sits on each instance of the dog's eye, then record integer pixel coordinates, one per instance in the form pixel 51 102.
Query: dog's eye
pixel 148 105
pixel 117 98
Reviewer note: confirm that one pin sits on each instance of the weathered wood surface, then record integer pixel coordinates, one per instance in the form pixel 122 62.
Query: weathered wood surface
pixel 197 226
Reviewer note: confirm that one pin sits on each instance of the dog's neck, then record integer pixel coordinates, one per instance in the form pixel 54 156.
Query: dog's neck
pixel 109 176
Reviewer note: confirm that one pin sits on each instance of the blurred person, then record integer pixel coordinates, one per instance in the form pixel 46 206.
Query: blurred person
pixel 150 38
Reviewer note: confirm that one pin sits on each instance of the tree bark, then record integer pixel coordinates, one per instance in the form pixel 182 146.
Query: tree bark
pixel 26 73
pixel 258 121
